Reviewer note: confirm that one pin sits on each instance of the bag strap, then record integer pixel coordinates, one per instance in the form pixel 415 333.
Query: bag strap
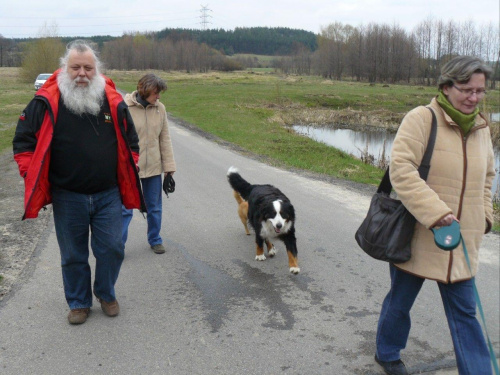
pixel 423 170
pixel 425 165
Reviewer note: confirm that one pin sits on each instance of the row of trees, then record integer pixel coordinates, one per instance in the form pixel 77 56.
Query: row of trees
pixel 256 40
pixel 390 54
pixel 143 52
pixel 374 53
pixel 139 51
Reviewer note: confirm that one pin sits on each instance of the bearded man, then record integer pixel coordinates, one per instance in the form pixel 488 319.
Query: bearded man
pixel 76 147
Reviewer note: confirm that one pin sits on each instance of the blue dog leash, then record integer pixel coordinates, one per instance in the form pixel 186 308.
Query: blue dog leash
pixel 480 307
pixel 448 238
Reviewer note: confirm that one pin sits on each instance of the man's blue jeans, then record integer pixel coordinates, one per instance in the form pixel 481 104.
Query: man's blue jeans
pixel 75 217
pixel 152 190
pixel 394 324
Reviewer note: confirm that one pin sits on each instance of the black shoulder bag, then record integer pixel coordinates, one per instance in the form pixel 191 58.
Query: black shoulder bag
pixel 386 232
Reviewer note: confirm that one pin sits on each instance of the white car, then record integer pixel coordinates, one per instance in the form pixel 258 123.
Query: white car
pixel 40 80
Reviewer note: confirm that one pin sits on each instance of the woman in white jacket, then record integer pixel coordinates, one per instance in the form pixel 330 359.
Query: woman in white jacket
pixel 156 154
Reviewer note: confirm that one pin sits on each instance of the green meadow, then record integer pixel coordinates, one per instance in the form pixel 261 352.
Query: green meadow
pixel 255 110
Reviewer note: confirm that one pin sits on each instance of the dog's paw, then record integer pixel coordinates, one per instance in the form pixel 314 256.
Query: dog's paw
pixel 272 252
pixel 260 257
pixel 294 270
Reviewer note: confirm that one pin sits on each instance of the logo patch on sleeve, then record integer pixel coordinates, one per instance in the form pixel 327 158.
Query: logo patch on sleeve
pixel 23 116
pixel 107 118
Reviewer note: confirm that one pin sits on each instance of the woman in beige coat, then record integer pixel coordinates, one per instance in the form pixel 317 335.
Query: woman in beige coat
pixel 458 188
pixel 155 156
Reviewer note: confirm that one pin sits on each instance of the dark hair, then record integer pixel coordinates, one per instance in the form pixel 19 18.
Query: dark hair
pixel 460 69
pixel 149 84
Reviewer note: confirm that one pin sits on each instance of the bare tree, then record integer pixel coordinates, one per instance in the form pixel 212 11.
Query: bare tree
pixel 355 53
pixel 332 47
pixel 450 38
pixel 42 54
pixel 5 45
pixel 468 39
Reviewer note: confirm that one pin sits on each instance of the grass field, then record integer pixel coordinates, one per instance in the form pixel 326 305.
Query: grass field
pixel 264 61
pixel 254 110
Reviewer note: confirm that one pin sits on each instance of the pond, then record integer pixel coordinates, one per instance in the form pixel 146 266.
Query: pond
pixel 357 143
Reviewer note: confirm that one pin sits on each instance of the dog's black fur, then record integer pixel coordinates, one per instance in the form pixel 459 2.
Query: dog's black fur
pixel 271 215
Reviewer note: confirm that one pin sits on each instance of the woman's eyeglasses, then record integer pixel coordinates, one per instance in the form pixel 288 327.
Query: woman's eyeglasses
pixel 469 92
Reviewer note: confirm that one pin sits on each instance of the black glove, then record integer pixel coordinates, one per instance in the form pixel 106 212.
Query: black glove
pixel 168 184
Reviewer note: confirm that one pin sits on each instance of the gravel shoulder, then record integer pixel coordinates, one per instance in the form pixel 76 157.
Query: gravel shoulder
pixel 18 238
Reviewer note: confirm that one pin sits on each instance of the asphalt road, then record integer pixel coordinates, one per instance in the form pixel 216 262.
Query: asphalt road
pixel 207 307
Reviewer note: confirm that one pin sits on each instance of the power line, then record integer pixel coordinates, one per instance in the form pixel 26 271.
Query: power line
pixel 204 16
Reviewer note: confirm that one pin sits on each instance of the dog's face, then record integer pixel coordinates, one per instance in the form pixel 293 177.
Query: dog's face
pixel 277 218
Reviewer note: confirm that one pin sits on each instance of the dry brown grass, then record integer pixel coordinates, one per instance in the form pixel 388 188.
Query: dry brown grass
pixel 297 115
pixel 495 133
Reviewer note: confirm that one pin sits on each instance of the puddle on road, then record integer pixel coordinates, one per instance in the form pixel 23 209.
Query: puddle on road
pixel 220 292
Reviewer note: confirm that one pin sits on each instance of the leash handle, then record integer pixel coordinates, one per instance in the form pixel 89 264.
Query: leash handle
pixel 481 312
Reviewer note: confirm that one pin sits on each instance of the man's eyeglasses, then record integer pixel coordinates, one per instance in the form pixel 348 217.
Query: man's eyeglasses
pixel 469 92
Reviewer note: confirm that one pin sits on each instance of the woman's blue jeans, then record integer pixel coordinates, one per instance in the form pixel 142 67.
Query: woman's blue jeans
pixel 76 216
pixel 460 307
pixel 152 190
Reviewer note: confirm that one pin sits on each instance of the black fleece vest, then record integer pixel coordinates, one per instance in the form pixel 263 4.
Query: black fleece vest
pixel 84 151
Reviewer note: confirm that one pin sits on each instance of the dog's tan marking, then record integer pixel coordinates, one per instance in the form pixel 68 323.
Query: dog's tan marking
pixel 271 250
pixel 242 210
pixel 269 245
pixel 292 263
pixel 259 255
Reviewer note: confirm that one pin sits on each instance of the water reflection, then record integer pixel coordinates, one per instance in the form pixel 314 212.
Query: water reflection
pixel 357 143
pixel 351 141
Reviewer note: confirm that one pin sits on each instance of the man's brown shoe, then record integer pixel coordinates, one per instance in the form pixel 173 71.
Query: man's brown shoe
pixel 78 316
pixel 158 249
pixel 109 308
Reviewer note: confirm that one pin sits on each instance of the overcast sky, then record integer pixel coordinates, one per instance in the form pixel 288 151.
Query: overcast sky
pixel 29 18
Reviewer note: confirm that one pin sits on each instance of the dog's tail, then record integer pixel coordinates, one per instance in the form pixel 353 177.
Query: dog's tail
pixel 238 183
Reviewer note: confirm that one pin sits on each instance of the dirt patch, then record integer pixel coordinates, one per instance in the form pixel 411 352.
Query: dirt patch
pixel 18 238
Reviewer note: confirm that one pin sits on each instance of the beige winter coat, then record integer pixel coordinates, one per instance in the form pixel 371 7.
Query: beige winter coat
pixel 156 154
pixel 460 180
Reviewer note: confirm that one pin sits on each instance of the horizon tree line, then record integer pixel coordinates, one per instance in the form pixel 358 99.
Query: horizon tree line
pixel 383 53
pixel 372 53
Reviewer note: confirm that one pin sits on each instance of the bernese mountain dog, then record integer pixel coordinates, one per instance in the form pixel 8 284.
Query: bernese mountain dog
pixel 271 215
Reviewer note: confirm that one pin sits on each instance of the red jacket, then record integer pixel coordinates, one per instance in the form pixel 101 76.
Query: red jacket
pixel 32 147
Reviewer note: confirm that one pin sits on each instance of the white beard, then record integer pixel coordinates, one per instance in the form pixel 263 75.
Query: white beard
pixel 82 99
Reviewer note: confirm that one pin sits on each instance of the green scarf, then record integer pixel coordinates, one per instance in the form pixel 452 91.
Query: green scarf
pixel 466 122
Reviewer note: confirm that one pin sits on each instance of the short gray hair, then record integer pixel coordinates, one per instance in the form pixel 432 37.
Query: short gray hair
pixel 81 46
pixel 461 68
